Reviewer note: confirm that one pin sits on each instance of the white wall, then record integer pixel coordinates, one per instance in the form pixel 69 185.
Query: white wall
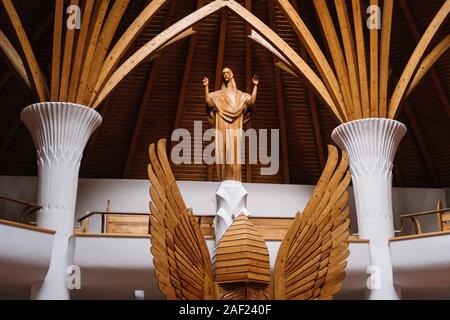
pixel 269 200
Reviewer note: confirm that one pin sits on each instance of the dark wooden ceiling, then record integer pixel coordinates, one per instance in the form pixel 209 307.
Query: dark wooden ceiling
pixel 145 106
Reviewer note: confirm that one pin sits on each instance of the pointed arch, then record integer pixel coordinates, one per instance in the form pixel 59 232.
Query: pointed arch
pixel 165 37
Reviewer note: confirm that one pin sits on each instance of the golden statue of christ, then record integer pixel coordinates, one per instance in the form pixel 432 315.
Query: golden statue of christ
pixel 228 110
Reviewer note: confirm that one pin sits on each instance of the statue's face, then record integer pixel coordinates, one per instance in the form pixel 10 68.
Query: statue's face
pixel 227 74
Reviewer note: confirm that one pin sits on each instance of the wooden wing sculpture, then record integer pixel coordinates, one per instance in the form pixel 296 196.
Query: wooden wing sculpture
pixel 311 259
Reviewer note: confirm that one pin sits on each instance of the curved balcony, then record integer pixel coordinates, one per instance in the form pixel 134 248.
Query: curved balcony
pixel 25 253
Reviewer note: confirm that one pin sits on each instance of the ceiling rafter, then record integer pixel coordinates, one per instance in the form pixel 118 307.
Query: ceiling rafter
pixel 248 76
pixel 434 74
pixel 423 146
pixel 280 100
pixel 186 76
pixel 313 102
pixel 151 79
pixel 219 67
pixel 43 27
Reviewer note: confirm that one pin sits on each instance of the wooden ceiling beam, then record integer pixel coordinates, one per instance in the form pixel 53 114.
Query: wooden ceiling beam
pixel 186 76
pixel 80 50
pixel 423 146
pixel 99 15
pixel 56 49
pixel 280 100
pixel 43 27
pixel 403 84
pixel 67 61
pixel 151 79
pixel 350 54
pixel 90 148
pixel 36 73
pixel 219 67
pixel 318 139
pixel 434 74
pixel 304 35
pixel 248 76
pixel 374 71
pixel 337 55
pixel 385 47
pixel 359 28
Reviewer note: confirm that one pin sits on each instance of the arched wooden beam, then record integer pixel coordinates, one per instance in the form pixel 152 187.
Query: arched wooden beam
pixel 67 61
pixel 405 80
pixel 412 23
pixel 100 13
pixel 125 41
pixel 106 36
pixel 361 55
pixel 36 73
pixel 56 50
pixel 153 45
pixel 289 54
pixel 429 61
pixel 337 55
pixel 317 55
pixel 14 58
pixel 350 55
pixel 80 49
pixel 386 29
pixel 280 100
pixel 300 65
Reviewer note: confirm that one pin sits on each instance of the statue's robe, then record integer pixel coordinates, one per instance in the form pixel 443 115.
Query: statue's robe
pixel 229 116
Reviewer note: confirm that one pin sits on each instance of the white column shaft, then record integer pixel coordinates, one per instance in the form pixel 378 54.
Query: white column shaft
pixel 371 145
pixel 60 133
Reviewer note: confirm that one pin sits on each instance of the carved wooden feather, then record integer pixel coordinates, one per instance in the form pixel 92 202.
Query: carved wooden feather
pixel 180 255
pixel 312 257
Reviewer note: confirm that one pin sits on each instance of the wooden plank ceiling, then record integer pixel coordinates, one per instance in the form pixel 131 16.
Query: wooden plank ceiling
pixel 167 93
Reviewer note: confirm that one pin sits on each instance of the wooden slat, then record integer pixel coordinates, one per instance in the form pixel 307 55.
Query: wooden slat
pixel 337 55
pixel 406 77
pixel 428 62
pixel 152 76
pixel 56 50
pixel 280 101
pixel 423 146
pixel 434 74
pixel 153 45
pixel 248 77
pixel 316 54
pixel 37 36
pixel 374 57
pixel 106 36
pixel 350 54
pixel 80 50
pixel 151 79
pixel 14 59
pixel 386 29
pixel 125 41
pixel 67 61
pixel 289 54
pixel 359 28
pixel 99 15
pixel 36 73
pixel 219 67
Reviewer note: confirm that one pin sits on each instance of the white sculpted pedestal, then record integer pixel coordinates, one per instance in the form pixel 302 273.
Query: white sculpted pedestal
pixel 371 145
pixel 231 199
pixel 60 133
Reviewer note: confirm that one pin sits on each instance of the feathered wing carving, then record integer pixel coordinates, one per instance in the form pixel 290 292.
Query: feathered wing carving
pixel 312 257
pixel 180 254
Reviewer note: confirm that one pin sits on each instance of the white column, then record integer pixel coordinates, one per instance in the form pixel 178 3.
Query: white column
pixel 60 133
pixel 231 200
pixel 371 145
